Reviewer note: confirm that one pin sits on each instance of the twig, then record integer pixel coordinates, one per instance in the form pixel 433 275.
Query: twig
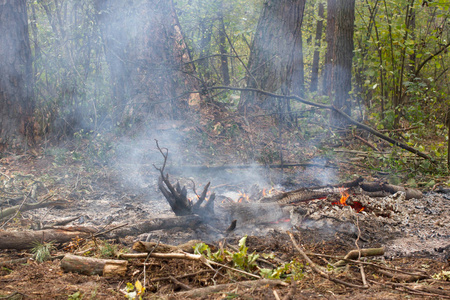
pixel 179 283
pixel 366 142
pixel 181 276
pixel 275 294
pixel 202 292
pixel 184 255
pixel 316 269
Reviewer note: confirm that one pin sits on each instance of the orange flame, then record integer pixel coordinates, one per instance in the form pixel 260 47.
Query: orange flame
pixel 344 196
pixel 243 197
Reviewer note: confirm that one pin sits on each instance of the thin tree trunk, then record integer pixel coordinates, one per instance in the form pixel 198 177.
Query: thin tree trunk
pixel 328 66
pixel 315 65
pixel 223 51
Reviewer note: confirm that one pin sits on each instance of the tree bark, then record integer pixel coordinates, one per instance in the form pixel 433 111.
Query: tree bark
pixel 316 57
pixel 16 76
pixel 343 56
pixel 146 52
pixel 276 59
pixel 328 66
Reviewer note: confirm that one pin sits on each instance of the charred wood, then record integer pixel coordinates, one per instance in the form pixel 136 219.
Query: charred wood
pixel 191 221
pixel 390 188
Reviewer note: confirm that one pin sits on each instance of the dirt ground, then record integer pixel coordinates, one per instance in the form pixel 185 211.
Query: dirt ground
pixel 104 189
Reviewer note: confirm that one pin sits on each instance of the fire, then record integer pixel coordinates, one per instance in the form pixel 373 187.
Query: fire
pixel 266 192
pixel 344 196
pixel 356 205
pixel 243 197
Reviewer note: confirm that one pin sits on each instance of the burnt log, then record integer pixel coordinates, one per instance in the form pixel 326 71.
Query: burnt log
pixel 191 221
pixel 20 240
pixel 374 187
pixel 94 266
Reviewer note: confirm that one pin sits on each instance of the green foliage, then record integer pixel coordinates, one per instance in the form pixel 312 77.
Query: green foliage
pixel 135 291
pixel 108 250
pixel 75 296
pixel 293 270
pixel 42 251
pixel 243 260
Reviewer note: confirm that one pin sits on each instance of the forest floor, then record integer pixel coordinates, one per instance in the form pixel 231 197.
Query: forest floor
pixel 108 181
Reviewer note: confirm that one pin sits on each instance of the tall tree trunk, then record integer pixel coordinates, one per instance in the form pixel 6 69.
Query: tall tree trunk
pixel 145 52
pixel 276 59
pixel 16 76
pixel 328 66
pixel 223 58
pixel 343 56
pixel 315 65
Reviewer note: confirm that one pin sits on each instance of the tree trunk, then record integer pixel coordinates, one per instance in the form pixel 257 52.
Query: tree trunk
pixel 315 65
pixel 16 76
pixel 328 66
pixel 223 59
pixel 276 59
pixel 343 56
pixel 145 52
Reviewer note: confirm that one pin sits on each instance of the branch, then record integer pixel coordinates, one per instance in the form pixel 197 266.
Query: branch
pixel 332 108
pixel 419 68
pixel 318 270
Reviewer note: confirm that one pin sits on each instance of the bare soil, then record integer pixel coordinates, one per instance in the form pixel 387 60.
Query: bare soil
pixel 104 190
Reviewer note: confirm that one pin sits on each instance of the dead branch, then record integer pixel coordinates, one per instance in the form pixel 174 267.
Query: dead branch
pixel 93 266
pixel 147 247
pixel 184 255
pixel 318 270
pixel 330 107
pixel 356 254
pixel 402 277
pixel 25 207
pixel 179 283
pixel 204 292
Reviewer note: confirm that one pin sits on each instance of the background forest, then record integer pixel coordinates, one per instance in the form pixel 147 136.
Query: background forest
pixel 108 69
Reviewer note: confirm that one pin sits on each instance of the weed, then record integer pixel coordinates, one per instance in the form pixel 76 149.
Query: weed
pixel 42 251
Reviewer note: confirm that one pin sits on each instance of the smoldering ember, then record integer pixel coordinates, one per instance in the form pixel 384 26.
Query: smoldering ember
pixel 253 149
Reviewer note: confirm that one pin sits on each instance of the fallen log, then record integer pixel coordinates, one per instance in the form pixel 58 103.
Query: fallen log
pixel 190 221
pixel 20 240
pixel 373 187
pixel 94 266
pixel 311 193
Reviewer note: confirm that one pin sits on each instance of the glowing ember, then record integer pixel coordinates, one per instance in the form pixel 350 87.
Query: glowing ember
pixel 243 197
